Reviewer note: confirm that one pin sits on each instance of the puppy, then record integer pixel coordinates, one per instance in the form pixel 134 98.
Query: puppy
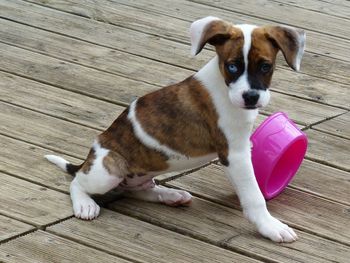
pixel 208 115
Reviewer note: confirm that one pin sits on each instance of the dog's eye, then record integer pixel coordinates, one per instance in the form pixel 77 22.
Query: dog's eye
pixel 265 67
pixel 232 68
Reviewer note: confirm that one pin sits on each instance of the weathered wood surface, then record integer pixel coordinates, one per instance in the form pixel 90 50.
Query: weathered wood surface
pixel 32 203
pixel 142 242
pixel 70 76
pixel 90 55
pixel 113 88
pixel 339 126
pixel 330 8
pixel 68 68
pixel 273 12
pixel 322 180
pixel 286 81
pixel 43 247
pixel 57 102
pixel 46 131
pixel 318 42
pixel 329 149
pixel 226 227
pixel 26 161
pixel 10 228
pixel 299 209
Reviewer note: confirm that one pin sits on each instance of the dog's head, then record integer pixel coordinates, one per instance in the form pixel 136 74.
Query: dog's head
pixel 247 55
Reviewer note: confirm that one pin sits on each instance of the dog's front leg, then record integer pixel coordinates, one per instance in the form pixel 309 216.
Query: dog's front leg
pixel 241 174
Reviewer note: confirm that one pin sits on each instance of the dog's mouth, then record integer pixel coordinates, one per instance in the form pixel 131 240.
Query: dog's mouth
pixel 251 107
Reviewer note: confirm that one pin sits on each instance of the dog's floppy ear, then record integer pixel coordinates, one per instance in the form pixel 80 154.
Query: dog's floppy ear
pixel 210 30
pixel 290 41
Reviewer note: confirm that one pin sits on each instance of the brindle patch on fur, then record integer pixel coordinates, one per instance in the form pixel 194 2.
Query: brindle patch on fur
pixel 130 175
pixel 120 138
pixel 231 52
pixel 182 117
pixel 115 164
pixel 88 161
pixel 262 51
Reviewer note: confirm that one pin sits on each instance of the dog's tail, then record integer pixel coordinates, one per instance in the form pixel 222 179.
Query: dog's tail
pixel 63 164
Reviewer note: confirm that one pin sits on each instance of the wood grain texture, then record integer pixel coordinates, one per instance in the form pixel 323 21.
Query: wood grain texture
pixel 302 18
pixel 297 208
pixel 189 10
pixel 91 55
pixel 10 227
pixel 102 85
pixel 73 77
pixel 304 85
pixel 27 161
pixel 339 126
pixel 57 102
pixel 324 7
pixel 329 149
pixel 142 242
pixel 31 203
pixel 43 247
pixel 322 180
pixel 46 131
pixel 226 227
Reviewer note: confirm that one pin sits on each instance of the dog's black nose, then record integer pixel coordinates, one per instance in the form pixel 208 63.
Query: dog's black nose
pixel 250 97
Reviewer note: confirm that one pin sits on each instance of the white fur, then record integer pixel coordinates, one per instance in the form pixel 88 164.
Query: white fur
pixel 196 32
pixel 164 195
pixel 96 181
pixel 236 124
pixel 59 161
pixel 301 40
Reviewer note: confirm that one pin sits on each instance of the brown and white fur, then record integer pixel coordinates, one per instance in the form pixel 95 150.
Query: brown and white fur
pixel 185 125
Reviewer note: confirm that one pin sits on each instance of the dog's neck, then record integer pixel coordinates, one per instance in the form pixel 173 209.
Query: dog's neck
pixel 211 78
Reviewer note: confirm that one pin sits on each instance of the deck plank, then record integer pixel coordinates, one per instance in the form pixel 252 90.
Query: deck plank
pixel 322 180
pixel 91 55
pixel 339 126
pixel 273 11
pixel 27 161
pixel 142 242
pixel 321 6
pixel 317 42
pixel 226 227
pixel 299 209
pixel 57 102
pixel 143 69
pixel 176 29
pixel 43 247
pixel 329 149
pixel 71 76
pixel 101 85
pixel 316 89
pixel 31 203
pixel 46 131
pixel 10 228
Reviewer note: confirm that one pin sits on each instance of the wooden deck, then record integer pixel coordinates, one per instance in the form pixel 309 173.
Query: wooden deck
pixel 69 67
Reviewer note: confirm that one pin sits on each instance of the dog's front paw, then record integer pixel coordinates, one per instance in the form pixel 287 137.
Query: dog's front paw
pixel 86 209
pixel 275 230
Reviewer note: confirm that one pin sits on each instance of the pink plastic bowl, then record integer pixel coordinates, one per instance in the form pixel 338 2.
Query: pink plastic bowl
pixel 279 147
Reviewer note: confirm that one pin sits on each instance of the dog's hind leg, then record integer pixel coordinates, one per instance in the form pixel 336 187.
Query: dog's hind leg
pixel 161 194
pixel 104 173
